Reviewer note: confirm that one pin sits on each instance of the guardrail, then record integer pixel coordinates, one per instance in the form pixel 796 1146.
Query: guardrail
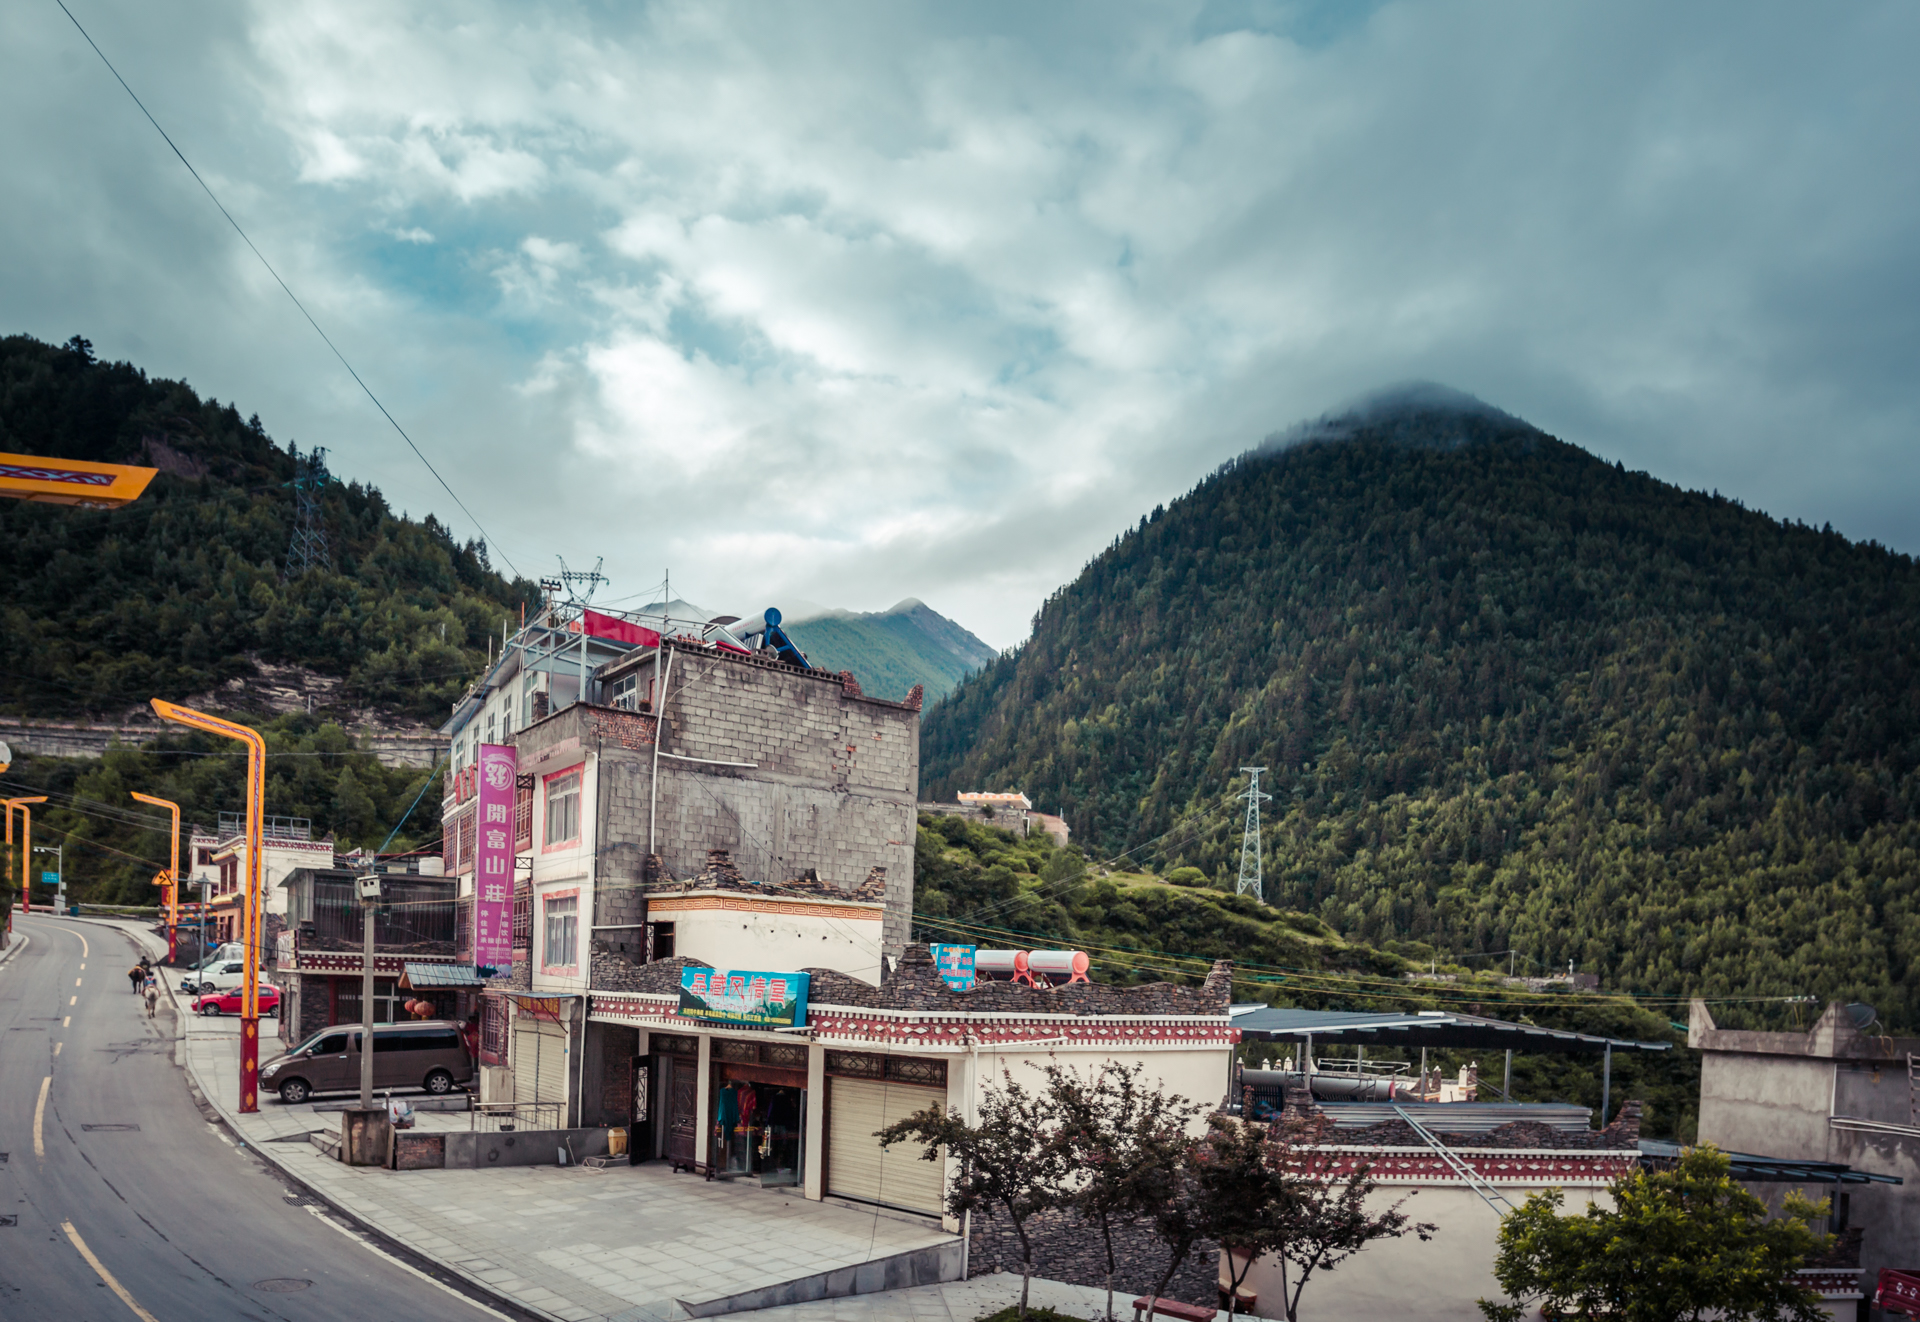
pixel 509 1117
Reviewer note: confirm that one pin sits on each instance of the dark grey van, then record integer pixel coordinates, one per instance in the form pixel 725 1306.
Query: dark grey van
pixel 420 1053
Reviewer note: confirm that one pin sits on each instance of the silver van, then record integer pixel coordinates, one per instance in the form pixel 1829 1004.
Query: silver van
pixel 419 1053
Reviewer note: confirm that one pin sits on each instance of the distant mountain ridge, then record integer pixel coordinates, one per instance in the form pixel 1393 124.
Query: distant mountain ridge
pixel 890 651
pixel 887 651
pixel 1509 696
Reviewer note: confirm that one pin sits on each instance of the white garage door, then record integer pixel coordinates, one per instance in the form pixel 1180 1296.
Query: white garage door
pixel 858 1167
pixel 540 1065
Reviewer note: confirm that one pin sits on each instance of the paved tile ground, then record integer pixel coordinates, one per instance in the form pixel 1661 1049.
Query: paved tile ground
pixel 628 1243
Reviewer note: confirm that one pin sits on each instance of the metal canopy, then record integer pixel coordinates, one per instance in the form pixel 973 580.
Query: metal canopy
pixel 1427 1028
pixel 1770 1170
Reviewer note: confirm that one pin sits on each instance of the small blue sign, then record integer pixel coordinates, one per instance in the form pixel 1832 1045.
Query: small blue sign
pixel 955 964
pixel 49 878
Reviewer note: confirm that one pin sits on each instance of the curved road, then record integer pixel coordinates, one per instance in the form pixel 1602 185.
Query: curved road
pixel 128 1201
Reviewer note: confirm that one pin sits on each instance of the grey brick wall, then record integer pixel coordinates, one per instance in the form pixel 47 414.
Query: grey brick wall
pixel 832 786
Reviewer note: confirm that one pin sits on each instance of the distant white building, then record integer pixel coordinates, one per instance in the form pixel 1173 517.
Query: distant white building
pixel 220 858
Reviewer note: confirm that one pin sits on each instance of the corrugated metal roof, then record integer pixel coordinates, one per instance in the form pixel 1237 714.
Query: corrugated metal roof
pixel 1771 1170
pixel 1459 1117
pixel 443 975
pixel 1431 1028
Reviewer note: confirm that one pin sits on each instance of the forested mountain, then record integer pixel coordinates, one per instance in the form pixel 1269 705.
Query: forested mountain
pixel 892 650
pixel 178 592
pixel 1509 696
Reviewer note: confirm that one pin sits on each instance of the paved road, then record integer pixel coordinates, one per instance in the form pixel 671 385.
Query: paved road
pixel 130 1200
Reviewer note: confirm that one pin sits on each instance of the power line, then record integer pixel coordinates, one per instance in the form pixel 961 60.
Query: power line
pixel 282 283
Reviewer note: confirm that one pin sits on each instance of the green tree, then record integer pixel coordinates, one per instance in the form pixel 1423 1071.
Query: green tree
pixel 1678 1245
pixel 1013 1163
pixel 1122 1140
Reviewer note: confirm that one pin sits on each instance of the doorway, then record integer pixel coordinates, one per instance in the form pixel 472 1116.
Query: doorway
pixel 760 1124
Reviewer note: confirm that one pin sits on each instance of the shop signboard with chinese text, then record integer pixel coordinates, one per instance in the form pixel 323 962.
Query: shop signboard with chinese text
pixel 493 859
pixel 955 965
pixel 744 996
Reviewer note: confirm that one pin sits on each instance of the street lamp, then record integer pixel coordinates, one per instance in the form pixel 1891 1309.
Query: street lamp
pixel 251 895
pixel 26 842
pixel 59 852
pixel 170 879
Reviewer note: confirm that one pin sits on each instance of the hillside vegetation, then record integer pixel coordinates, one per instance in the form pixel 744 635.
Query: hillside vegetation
pixel 177 593
pixel 114 845
pixel 981 886
pixel 1509 696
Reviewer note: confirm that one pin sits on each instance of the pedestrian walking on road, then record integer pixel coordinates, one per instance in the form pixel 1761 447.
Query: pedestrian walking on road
pixel 136 978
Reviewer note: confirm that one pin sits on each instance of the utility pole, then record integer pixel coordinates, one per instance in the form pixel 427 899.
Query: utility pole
pixel 59 853
pixel 369 902
pixel 1250 842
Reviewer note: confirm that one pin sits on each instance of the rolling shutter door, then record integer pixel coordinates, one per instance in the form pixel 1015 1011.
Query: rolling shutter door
pixel 539 1061
pixel 858 1167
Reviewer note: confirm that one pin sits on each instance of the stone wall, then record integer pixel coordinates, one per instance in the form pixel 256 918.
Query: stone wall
pixel 829 789
pixel 1065 1249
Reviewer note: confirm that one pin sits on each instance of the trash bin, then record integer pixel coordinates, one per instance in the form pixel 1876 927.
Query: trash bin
pixel 73 911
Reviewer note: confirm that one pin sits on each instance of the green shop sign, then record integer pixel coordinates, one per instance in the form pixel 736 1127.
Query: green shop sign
pixel 739 996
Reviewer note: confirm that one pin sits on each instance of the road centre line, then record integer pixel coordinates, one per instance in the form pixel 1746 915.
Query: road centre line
pixel 105 1275
pixel 57 1046
pixel 68 1021
pixel 39 1118
pixel 73 1000
pixel 77 981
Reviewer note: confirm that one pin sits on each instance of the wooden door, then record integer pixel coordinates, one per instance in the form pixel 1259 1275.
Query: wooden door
pixel 683 1102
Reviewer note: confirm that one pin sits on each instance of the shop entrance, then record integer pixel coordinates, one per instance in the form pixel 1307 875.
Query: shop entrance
pixel 760 1122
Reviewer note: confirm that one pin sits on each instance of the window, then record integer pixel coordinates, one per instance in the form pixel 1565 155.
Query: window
pixel 661 935
pixel 563 808
pixel 333 1044
pixel 562 931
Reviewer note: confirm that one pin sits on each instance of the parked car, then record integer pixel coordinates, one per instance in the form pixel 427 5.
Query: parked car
pixel 421 1053
pixel 224 962
pixel 228 1002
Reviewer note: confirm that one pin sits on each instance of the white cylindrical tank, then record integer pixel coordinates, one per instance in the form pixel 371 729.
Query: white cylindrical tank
pixel 999 964
pixel 1059 965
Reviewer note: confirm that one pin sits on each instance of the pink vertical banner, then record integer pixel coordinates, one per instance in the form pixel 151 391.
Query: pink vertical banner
pixel 493 860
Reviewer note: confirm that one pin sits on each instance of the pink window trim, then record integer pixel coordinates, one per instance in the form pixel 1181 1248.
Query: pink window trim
pixel 546 781
pixel 568 970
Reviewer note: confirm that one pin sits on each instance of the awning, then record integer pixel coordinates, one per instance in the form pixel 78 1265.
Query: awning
pixel 1427 1028
pixel 1769 1170
pixel 420 977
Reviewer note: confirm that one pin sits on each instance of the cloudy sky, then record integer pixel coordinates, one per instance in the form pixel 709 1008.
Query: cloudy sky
pixel 854 303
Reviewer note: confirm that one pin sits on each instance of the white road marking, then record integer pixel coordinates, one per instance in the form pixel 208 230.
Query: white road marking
pixel 75 1000
pixel 77 981
pixel 68 1021
pixel 105 1275
pixel 403 1265
pixel 40 1116
pixel 57 1046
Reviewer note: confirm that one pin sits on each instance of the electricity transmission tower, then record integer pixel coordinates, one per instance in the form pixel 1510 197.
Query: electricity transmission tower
pixel 1250 842
pixel 309 546
pixel 592 578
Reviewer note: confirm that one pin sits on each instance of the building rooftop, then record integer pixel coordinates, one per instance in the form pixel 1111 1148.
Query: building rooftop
pixel 1425 1028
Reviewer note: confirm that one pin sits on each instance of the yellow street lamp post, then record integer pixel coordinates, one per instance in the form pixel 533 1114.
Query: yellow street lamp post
pixel 170 879
pixel 251 892
pixel 26 844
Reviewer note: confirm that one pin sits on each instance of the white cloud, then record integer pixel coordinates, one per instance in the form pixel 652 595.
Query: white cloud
pixel 856 304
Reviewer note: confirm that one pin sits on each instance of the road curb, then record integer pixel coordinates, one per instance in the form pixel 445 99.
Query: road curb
pixel 388 1243
pixel 19 943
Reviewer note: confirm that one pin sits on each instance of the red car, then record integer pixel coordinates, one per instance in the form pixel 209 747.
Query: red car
pixel 228 1002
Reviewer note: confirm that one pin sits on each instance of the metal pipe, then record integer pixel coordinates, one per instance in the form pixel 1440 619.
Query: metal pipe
pixel 659 733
